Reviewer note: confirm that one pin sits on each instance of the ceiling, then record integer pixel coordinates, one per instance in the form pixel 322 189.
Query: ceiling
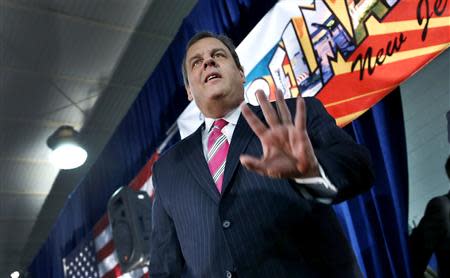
pixel 71 62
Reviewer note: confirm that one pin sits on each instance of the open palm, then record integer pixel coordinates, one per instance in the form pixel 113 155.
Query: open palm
pixel 287 150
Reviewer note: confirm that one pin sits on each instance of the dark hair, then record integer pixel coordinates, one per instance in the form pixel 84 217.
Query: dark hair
pixel 205 34
pixel 447 167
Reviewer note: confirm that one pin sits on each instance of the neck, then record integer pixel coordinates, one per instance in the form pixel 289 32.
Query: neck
pixel 218 111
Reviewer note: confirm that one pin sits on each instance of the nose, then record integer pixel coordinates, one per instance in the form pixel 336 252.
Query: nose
pixel 209 63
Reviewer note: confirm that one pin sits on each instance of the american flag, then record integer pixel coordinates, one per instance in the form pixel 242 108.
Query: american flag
pixel 96 255
pixel 81 261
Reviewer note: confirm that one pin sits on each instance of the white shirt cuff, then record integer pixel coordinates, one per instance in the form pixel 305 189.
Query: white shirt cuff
pixel 321 187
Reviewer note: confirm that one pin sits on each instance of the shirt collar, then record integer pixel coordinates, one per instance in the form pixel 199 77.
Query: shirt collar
pixel 232 118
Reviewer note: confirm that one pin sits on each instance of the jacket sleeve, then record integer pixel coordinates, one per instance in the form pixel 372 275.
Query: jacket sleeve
pixel 346 164
pixel 166 259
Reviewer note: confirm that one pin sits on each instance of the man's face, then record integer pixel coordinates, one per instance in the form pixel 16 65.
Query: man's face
pixel 215 82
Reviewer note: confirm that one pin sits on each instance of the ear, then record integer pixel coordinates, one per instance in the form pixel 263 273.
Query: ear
pixel 189 93
pixel 241 73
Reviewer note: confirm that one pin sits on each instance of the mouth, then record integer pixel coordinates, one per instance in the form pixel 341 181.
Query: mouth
pixel 212 76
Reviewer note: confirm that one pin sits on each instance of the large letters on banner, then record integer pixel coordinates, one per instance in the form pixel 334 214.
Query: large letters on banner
pixel 347 53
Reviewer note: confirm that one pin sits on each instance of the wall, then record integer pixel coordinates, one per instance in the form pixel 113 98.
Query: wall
pixel 426 100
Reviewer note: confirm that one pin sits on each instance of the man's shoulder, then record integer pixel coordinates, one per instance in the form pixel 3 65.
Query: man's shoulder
pixel 176 152
pixel 438 205
pixel 439 200
pixel 309 101
pixel 291 103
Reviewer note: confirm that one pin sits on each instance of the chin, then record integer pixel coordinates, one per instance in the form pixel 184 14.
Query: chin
pixel 217 95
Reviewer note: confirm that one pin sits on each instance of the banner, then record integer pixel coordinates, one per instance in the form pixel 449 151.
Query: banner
pixel 347 53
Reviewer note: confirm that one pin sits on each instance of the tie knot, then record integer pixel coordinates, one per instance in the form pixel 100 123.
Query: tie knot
pixel 220 123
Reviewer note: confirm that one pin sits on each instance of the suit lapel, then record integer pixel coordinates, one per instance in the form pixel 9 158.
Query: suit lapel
pixel 241 137
pixel 197 165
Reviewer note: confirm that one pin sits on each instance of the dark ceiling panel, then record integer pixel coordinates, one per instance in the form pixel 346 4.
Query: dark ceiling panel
pixel 76 62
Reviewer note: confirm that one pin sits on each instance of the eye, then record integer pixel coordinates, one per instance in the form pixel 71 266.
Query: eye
pixel 196 63
pixel 218 54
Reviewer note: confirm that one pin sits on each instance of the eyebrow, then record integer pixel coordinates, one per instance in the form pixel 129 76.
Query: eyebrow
pixel 214 50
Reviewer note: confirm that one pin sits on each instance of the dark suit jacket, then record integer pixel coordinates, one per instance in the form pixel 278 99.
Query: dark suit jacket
pixel 259 226
pixel 432 235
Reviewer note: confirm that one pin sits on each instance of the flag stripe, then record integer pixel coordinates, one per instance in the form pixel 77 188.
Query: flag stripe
pixel 115 272
pixel 103 238
pixel 145 173
pixel 108 264
pixel 101 225
pixel 105 251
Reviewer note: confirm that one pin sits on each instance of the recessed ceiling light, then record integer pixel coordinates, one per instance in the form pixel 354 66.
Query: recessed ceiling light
pixel 66 150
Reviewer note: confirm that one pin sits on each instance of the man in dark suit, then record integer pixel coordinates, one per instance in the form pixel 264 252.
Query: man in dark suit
pixel 248 194
pixel 432 235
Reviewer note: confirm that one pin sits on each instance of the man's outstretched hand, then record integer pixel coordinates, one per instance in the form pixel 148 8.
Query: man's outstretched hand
pixel 287 150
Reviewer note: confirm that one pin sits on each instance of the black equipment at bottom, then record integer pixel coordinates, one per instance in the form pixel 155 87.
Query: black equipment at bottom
pixel 129 214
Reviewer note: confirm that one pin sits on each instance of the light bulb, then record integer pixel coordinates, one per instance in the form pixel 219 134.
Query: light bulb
pixel 68 156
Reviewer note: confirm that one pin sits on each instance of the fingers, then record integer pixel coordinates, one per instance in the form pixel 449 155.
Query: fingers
pixel 300 115
pixel 253 164
pixel 272 117
pixel 253 121
pixel 269 112
pixel 283 111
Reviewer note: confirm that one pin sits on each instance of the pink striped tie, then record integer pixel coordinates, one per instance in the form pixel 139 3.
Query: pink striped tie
pixel 217 152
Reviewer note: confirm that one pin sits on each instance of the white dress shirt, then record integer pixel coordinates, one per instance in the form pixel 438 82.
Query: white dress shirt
pixel 318 188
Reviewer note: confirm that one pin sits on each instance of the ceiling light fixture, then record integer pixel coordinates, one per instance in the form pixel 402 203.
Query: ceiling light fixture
pixel 66 150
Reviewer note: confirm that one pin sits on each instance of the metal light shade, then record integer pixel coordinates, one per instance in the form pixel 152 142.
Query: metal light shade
pixel 66 151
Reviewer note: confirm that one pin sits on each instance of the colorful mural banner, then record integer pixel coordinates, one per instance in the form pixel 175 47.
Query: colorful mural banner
pixel 348 53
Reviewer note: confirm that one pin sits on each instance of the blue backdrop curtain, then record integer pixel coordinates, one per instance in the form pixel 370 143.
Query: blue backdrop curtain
pixel 375 222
